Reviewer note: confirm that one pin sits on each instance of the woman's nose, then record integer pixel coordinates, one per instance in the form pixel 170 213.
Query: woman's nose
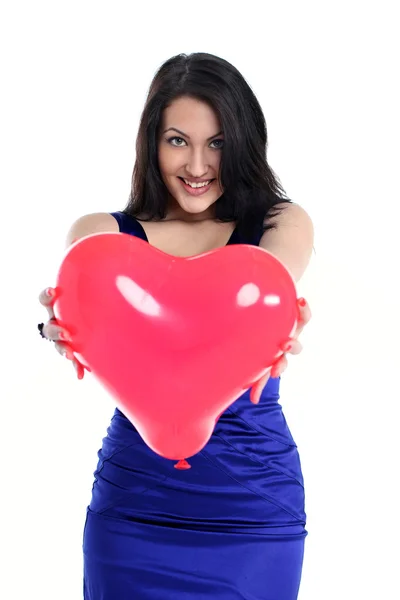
pixel 197 166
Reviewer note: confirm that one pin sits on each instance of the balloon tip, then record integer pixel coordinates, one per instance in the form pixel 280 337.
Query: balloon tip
pixel 182 465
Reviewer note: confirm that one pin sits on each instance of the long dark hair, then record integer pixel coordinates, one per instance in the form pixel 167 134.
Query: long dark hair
pixel 251 188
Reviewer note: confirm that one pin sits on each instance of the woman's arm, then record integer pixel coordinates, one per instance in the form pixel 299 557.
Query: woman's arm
pixel 292 239
pixel 86 225
pixel 292 243
pixel 92 223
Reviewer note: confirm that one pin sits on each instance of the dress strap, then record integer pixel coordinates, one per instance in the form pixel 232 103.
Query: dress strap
pixel 252 239
pixel 128 224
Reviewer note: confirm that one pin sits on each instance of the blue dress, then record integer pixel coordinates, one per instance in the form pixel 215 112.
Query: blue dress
pixel 230 528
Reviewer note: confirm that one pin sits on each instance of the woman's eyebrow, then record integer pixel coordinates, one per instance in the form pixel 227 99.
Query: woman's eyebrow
pixel 188 136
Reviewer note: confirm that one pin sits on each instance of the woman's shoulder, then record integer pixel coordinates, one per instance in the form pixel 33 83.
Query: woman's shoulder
pixel 91 223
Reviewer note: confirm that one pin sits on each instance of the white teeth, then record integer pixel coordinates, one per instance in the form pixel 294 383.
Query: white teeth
pixel 196 185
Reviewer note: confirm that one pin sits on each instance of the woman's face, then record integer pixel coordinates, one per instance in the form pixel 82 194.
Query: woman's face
pixel 190 147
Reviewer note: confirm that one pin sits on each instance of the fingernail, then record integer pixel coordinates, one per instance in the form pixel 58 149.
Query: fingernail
pixel 254 399
pixel 302 302
pixel 50 292
pixel 286 346
pixel 63 335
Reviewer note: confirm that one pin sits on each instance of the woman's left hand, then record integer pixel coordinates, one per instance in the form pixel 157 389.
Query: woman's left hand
pixel 291 346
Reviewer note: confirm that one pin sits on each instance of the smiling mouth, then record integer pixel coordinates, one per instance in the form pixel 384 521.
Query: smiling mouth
pixel 209 180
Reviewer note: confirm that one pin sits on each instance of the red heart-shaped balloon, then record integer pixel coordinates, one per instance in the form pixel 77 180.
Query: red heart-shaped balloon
pixel 174 340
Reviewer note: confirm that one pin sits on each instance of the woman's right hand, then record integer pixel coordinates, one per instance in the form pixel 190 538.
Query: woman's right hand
pixel 52 331
pixel 86 225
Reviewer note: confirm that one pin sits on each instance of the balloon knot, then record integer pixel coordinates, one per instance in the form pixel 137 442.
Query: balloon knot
pixel 182 465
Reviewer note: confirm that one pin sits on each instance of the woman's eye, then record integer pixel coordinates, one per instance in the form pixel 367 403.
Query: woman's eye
pixel 176 138
pixel 221 142
pixel 178 142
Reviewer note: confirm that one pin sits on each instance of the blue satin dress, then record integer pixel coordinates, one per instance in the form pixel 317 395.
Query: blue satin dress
pixel 230 528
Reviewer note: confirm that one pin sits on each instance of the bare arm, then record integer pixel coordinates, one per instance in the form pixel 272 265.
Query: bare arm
pixel 292 240
pixel 92 223
pixel 292 243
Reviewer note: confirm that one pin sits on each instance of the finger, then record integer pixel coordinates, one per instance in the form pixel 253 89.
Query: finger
pixel 279 367
pixel 292 345
pixel 295 347
pixel 257 388
pixel 304 312
pixel 54 332
pixel 79 369
pixel 47 296
pixel 47 299
pixel 301 323
pixel 65 350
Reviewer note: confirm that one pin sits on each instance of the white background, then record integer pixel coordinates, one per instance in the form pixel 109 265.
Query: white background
pixel 74 77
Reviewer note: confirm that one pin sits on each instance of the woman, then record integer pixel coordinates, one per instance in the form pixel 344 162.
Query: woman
pixel 233 526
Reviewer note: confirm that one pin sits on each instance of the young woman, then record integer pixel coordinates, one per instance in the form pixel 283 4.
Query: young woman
pixel 233 526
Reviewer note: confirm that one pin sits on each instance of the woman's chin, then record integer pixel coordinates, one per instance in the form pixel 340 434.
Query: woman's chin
pixel 193 205
pixel 196 206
